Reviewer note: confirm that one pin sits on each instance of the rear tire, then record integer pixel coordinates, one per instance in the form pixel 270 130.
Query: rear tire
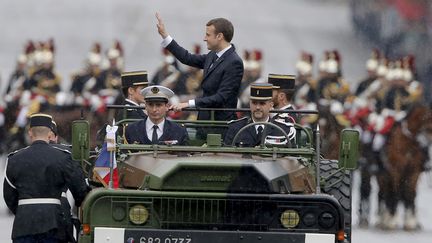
pixel 338 184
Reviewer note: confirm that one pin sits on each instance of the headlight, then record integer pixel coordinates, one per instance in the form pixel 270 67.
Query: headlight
pixel 138 214
pixel 290 218
pixel 309 219
pixel 326 220
pixel 119 213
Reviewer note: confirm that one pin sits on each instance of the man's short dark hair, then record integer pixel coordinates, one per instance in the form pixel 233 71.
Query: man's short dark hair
pixel 289 93
pixel 223 26
pixel 125 92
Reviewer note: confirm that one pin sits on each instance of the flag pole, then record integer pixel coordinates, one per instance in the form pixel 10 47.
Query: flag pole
pixel 110 183
pixel 111 146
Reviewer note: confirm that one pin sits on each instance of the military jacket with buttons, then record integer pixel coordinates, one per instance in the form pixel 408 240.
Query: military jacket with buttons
pixel 40 171
pixel 287 116
pixel 133 113
pixel 250 137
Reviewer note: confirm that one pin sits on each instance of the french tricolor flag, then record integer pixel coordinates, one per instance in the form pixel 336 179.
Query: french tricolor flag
pixel 106 156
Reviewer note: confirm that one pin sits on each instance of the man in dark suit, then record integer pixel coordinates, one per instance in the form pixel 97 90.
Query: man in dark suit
pixel 260 106
pixel 132 84
pixel 223 68
pixel 155 129
pixel 34 179
pixel 283 91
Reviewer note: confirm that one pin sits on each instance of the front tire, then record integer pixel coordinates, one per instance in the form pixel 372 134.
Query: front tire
pixel 337 183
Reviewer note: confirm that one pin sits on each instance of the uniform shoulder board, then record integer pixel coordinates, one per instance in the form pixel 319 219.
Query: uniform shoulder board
pixel 283 115
pixel 61 148
pixel 16 151
pixel 241 119
pixel 129 109
pixel 283 122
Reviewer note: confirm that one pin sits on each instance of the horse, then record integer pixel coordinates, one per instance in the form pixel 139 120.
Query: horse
pixel 403 161
pixel 64 116
pixel 330 130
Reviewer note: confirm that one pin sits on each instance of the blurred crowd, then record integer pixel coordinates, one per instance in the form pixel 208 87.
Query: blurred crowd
pixel 397 28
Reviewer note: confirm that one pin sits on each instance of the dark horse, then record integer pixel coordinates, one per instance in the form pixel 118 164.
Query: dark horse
pixel 330 130
pixel 65 116
pixel 403 161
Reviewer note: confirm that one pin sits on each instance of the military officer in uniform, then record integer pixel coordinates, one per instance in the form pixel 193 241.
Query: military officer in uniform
pixel 34 179
pixel 260 105
pixel 71 223
pixel 132 84
pixel 283 92
pixel 156 129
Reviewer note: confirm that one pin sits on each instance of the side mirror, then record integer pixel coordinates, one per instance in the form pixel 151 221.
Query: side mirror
pixel 349 149
pixel 80 140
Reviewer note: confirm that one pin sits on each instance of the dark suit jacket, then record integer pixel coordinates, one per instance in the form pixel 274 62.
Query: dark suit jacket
pixel 136 133
pixel 221 81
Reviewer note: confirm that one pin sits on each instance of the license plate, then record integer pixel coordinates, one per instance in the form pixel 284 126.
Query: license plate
pixel 179 236
pixel 150 239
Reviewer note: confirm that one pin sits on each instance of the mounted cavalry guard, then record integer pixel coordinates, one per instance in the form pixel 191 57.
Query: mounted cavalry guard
pixel 283 92
pixel 305 84
pixel 34 179
pixel 89 80
pixel 260 105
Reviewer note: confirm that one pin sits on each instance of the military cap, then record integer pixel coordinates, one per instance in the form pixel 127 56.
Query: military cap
pixel 41 120
pixel 134 78
pixel 157 93
pixel 54 127
pixel 261 91
pixel 282 81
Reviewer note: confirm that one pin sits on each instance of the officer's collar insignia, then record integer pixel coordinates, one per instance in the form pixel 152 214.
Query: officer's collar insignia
pixel 155 90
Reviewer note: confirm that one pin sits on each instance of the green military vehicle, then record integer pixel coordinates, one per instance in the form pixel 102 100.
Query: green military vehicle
pixel 212 193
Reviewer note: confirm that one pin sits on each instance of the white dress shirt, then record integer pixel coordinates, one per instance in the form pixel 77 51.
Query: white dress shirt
pixel 149 128
pixel 257 126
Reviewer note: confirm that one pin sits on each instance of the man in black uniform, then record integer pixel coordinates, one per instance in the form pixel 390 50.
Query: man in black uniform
pixel 260 105
pixel 34 179
pixel 156 129
pixel 283 91
pixel 70 224
pixel 132 85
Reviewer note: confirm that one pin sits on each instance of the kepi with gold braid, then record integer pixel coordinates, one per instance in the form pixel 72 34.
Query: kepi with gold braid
pixel 282 81
pixel 134 78
pixel 261 91
pixel 41 120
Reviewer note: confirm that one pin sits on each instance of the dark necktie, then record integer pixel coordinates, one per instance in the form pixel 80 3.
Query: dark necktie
pixel 154 135
pixel 215 58
pixel 259 133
